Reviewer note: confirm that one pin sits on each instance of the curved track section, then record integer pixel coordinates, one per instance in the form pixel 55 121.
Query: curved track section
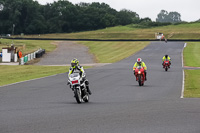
pixel 118 104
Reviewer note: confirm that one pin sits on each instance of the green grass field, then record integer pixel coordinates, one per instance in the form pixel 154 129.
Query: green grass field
pixel 192 54
pixel 13 74
pixel 192 86
pixel 109 52
pixel 180 31
pixel 28 46
pixel 192 77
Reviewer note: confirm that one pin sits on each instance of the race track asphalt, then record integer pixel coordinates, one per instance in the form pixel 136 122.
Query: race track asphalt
pixel 117 105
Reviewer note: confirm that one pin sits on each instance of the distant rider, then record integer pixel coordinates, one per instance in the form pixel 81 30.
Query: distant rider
pixel 142 64
pixel 166 57
pixel 76 68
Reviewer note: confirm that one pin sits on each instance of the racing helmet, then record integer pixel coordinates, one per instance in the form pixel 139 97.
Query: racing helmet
pixel 166 56
pixel 139 61
pixel 74 63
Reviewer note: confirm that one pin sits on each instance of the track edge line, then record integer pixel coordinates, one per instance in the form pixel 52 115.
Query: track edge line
pixel 183 79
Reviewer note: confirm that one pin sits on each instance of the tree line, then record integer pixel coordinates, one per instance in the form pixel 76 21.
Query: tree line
pixel 29 17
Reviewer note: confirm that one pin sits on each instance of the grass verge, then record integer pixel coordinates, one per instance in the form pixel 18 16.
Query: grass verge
pixel 13 74
pixel 192 86
pixel 28 46
pixel 179 31
pixel 192 54
pixel 110 52
pixel 192 77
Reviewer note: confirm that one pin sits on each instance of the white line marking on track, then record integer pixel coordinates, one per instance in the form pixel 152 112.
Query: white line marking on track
pixel 183 81
pixel 185 45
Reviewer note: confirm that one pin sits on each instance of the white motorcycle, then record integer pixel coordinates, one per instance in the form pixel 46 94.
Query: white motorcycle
pixel 79 88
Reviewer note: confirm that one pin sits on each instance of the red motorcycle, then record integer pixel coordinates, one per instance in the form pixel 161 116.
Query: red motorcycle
pixel 166 65
pixel 140 76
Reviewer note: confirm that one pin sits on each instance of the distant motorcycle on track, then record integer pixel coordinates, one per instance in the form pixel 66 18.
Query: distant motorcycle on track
pixel 166 65
pixel 140 75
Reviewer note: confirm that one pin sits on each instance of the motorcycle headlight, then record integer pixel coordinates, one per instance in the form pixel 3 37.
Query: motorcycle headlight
pixel 139 72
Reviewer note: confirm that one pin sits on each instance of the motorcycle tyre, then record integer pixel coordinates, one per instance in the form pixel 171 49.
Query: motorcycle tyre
pixel 139 81
pixel 87 97
pixel 77 96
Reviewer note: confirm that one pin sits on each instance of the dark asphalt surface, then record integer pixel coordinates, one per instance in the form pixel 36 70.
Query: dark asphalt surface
pixel 118 104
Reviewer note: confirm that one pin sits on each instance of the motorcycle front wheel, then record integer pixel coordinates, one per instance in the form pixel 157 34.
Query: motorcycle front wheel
pixel 77 94
pixel 140 80
pixel 166 68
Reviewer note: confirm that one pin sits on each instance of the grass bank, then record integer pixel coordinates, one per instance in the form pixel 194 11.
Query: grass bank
pixel 192 54
pixel 13 74
pixel 28 46
pixel 177 31
pixel 192 86
pixel 109 52
pixel 192 77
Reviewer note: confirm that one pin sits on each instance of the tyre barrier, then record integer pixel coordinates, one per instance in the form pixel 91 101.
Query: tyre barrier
pixel 25 58
pixel 37 54
pixel 21 61
pixel 40 53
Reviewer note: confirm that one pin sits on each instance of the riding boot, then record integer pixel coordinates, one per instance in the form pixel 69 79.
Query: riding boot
pixel 88 90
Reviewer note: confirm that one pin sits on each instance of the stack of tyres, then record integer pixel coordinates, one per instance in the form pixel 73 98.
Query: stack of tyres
pixel 40 53
pixel 43 51
pixel 25 59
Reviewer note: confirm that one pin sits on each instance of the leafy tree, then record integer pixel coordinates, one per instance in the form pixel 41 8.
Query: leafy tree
pixel 127 17
pixel 145 20
pixel 172 17
pixel 162 16
pixel 22 14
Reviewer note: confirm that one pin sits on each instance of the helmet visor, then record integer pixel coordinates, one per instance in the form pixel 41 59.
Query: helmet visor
pixel 73 64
